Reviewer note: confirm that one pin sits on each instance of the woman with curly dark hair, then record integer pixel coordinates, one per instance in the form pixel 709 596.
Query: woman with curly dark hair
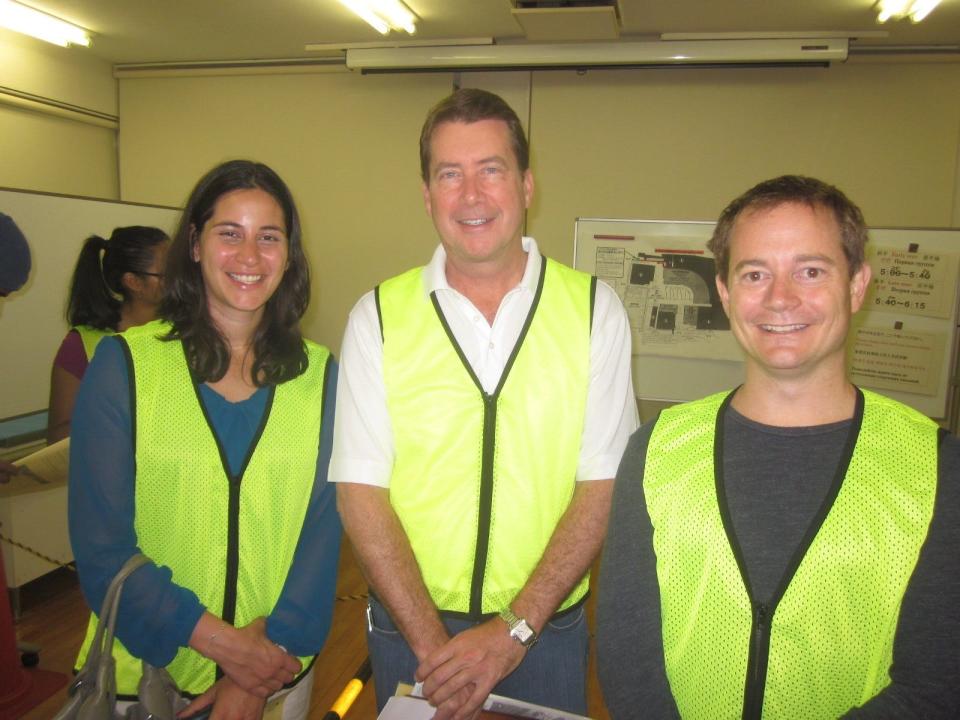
pixel 211 457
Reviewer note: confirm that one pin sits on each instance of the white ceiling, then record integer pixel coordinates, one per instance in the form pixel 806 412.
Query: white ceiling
pixel 133 31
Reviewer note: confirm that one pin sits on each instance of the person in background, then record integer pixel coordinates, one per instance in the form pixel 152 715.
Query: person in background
pixel 787 549
pixel 202 440
pixel 15 254
pixel 14 271
pixel 117 284
pixel 486 401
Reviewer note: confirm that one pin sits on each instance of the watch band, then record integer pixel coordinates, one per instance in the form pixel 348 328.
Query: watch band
pixel 519 629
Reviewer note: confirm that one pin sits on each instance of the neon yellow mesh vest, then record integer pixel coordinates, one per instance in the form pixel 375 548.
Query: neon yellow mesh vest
pixel 480 481
pixel 90 337
pixel 230 542
pixel 826 645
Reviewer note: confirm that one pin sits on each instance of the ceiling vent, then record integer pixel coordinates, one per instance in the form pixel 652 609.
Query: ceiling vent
pixel 563 20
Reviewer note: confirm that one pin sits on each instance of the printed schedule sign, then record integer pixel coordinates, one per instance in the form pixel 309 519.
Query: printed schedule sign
pixel 908 280
pixel 897 360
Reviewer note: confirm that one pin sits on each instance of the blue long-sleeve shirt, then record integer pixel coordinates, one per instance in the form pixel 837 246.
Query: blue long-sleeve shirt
pixel 156 615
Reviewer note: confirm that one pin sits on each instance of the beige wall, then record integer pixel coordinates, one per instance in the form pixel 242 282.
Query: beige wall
pixel 677 144
pixel 71 75
pixel 659 144
pixel 46 146
pixel 40 151
pixel 346 145
pixel 53 154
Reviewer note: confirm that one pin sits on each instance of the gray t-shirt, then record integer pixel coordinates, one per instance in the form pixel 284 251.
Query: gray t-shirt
pixel 776 480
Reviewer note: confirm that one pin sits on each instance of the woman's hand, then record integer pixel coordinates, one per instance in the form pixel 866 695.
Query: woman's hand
pixel 229 702
pixel 246 655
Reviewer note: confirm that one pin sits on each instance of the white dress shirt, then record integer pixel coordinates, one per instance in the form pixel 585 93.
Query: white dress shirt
pixel 363 450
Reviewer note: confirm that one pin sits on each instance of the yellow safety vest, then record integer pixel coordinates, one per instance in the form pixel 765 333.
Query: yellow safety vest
pixel 826 645
pixel 90 337
pixel 480 480
pixel 231 540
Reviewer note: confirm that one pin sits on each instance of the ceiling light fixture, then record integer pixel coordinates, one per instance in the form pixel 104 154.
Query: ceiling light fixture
pixel 28 21
pixel 916 10
pixel 384 15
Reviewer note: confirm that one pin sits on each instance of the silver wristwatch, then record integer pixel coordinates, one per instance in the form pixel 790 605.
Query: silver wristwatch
pixel 519 629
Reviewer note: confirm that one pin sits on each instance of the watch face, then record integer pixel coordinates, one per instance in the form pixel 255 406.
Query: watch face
pixel 524 633
pixel 519 629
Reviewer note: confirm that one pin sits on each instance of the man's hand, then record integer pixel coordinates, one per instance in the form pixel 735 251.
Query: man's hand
pixel 246 655
pixel 230 702
pixel 458 676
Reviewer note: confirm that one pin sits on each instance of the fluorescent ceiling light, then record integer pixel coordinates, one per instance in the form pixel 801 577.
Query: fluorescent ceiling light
pixel 917 10
pixel 921 8
pixel 609 54
pixel 28 21
pixel 384 15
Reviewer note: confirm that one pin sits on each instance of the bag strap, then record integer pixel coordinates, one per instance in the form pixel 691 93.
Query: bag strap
pixel 92 693
pixel 109 608
pixel 106 619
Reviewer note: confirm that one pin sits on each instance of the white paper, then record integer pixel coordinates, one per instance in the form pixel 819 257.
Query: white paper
pixel 407 708
pixel 493 703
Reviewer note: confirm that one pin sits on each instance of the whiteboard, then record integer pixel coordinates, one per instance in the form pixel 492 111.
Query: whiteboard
pixel 689 370
pixel 32 319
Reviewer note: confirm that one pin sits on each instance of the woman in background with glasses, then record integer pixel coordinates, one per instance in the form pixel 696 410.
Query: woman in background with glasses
pixel 117 284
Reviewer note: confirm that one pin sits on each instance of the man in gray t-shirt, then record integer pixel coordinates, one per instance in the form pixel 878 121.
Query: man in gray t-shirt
pixel 787 549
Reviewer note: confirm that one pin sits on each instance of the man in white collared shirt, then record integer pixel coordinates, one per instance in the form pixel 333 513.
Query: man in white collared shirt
pixel 484 403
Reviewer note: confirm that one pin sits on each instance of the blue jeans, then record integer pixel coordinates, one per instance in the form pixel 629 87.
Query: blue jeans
pixel 553 673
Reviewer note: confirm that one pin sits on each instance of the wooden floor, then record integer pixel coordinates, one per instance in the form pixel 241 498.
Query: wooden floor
pixel 54 616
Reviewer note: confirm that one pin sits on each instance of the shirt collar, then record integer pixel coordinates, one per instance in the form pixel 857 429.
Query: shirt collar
pixel 435 276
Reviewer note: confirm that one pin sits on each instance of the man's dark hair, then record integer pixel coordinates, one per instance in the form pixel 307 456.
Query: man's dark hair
pixel 278 349
pixel 793 189
pixel 470 105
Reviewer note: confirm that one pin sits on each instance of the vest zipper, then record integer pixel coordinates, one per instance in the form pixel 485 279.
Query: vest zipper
pixel 757 662
pixel 760 630
pixel 233 552
pixel 489 441
pixel 486 503
pixel 232 560
pixel 233 555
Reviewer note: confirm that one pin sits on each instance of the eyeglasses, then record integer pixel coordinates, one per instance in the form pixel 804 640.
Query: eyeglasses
pixel 151 274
